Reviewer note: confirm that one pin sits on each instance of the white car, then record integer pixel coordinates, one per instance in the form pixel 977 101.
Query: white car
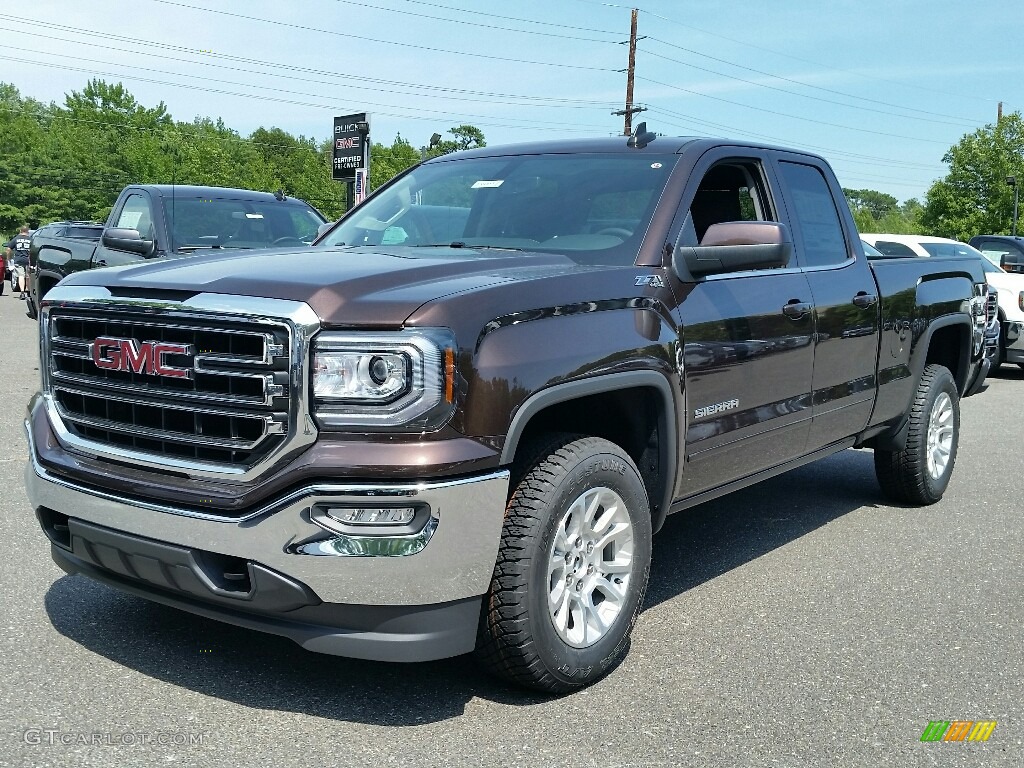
pixel 1009 287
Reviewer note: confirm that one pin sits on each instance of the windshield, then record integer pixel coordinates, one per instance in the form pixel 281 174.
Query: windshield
pixel 593 208
pixel 219 223
pixel 873 253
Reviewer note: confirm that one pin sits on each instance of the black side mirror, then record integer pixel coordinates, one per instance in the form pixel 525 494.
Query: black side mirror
pixel 734 246
pixel 127 240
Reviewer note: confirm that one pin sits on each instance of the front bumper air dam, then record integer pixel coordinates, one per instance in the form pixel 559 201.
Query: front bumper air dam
pixel 979 379
pixel 334 598
pixel 1014 338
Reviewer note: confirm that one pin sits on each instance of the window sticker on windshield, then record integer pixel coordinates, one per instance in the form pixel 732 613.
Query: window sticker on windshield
pixel 655 165
pixel 486 184
pixel 254 215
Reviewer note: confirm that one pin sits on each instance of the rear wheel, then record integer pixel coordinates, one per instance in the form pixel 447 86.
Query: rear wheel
pixel 572 567
pixel 920 472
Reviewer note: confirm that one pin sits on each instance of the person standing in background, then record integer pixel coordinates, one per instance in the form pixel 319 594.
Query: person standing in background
pixel 19 247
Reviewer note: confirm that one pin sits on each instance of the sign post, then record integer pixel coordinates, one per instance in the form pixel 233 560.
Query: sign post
pixel 351 162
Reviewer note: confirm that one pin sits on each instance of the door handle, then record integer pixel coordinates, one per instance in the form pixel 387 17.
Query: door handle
pixel 796 309
pixel 864 299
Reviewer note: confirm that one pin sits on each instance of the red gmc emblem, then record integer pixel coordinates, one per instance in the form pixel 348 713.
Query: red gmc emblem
pixel 139 357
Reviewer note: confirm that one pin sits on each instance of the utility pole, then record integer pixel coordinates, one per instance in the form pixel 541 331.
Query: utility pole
pixel 630 110
pixel 999 113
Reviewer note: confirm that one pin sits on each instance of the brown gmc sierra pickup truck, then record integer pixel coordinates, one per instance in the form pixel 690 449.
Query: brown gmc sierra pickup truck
pixel 456 422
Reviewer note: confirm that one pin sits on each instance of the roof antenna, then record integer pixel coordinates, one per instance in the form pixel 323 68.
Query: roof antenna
pixel 641 137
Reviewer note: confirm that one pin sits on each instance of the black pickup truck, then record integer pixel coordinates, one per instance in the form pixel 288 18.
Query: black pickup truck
pixel 456 423
pixel 161 220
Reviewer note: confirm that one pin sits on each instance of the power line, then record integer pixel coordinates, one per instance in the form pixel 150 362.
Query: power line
pixel 147 45
pixel 535 101
pixel 533 126
pixel 958 121
pixel 349 36
pixel 785 114
pixel 884 162
pixel 463 22
pixel 511 18
pixel 748 44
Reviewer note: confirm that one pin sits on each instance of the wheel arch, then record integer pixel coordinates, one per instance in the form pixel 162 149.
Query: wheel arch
pixel 946 342
pixel 592 406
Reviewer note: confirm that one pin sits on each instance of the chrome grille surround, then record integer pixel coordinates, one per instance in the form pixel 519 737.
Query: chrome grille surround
pixel 243 409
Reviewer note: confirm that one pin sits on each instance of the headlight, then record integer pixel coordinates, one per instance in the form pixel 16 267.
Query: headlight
pixel 401 380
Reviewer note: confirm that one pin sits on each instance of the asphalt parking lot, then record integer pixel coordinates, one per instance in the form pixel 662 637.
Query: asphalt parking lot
pixel 799 622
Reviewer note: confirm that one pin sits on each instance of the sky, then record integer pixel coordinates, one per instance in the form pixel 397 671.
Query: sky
pixel 880 89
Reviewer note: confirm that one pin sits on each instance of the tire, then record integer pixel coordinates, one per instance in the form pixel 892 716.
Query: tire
pixel 919 473
pixel 546 543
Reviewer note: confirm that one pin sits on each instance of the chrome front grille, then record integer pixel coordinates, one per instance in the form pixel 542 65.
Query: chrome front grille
pixel 230 364
pixel 177 386
pixel 992 305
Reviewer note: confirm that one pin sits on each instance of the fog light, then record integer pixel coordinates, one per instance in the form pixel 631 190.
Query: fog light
pixel 373 515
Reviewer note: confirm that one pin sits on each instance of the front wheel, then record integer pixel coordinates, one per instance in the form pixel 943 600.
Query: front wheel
pixel 920 472
pixel 572 567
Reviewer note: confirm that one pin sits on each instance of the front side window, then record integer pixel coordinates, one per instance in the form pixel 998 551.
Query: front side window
pixel 136 214
pixel 593 208
pixel 815 213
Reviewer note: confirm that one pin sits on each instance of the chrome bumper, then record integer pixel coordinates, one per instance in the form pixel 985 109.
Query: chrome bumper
pixel 454 562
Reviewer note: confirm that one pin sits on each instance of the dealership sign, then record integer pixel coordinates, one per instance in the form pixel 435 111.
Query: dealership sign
pixel 351 133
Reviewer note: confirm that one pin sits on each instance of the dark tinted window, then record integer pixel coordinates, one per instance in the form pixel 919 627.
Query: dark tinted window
pixel 816 215
pixel 86 232
pixel 894 249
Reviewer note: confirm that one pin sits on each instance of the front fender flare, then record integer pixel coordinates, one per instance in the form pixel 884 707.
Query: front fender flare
pixel 571 390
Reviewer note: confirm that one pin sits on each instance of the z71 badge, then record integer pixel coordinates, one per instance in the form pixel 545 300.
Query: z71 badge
pixel 652 281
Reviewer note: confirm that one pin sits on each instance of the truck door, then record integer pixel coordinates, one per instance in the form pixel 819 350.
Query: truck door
pixel 746 336
pixel 845 300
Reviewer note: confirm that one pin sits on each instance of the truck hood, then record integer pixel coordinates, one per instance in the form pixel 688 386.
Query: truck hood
pixel 352 286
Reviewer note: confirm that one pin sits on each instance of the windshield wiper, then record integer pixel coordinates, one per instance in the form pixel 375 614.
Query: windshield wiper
pixel 474 246
pixel 197 247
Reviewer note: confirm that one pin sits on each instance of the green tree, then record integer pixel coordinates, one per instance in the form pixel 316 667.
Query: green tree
pixel 388 162
pixel 878 204
pixel 463 137
pixel 974 198
pixel 72 160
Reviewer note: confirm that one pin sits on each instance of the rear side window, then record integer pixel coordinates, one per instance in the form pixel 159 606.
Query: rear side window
pixel 894 249
pixel 815 212
pixel 89 233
